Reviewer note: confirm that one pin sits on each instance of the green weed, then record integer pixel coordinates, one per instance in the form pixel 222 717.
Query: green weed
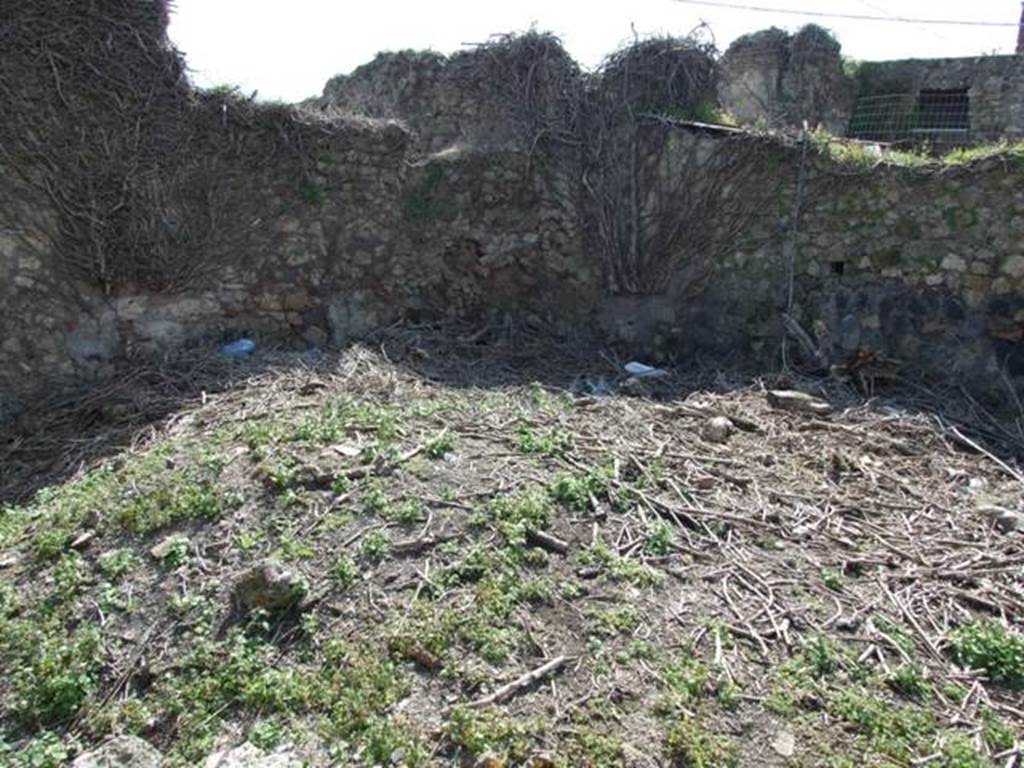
pixel 988 645
pixel 552 443
pixel 690 745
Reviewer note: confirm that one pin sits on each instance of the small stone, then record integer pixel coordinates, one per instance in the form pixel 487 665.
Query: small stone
pixel 490 760
pixel 791 400
pixel 1005 520
pixel 163 548
pixel 633 386
pixel 269 586
pixel 1014 266
pixel 718 429
pixel 541 760
pixel 315 336
pixel 83 541
pixel 294 301
pixel 784 744
pixel 249 756
pixel 121 752
pixel 954 263
pixel 847 623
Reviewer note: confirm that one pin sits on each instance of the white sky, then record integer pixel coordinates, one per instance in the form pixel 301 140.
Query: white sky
pixel 288 50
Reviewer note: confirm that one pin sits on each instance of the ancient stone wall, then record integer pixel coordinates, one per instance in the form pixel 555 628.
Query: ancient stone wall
pixel 316 228
pixel 373 239
pixel 923 264
pixel 780 80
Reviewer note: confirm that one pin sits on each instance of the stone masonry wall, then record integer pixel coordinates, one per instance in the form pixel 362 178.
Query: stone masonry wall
pixel 372 238
pixel 439 216
pixel 780 80
pixel 922 264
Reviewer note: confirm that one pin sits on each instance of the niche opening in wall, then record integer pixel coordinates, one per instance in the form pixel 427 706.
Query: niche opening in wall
pixel 838 267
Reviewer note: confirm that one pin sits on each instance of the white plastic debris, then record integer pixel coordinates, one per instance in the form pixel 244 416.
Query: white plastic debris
pixel 641 371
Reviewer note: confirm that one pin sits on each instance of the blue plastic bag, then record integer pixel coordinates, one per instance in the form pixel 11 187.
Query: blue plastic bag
pixel 240 348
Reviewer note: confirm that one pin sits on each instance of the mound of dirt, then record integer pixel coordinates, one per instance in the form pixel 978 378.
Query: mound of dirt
pixel 496 560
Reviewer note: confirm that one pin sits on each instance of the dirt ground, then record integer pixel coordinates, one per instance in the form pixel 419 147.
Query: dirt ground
pixel 499 554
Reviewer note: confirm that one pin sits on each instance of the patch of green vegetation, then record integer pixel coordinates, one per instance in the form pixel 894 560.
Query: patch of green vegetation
pixel 175 553
pixel 375 547
pixel 988 645
pixel 519 513
pixel 910 681
pixel 591 746
pixel 959 752
pixel 848 152
pixel 660 539
pixel 832 579
pixel 117 564
pixel 12 524
pixel 338 417
pixel 357 688
pixel 175 498
pixel 488 731
pixel 963 155
pixel 900 732
pixel 441 445
pixel 690 745
pixel 575 491
pixel 618 568
pixel 408 512
pixel 999 735
pixel 616 621
pixel 151 492
pixel 375 499
pixel 52 670
pixel 266 734
pixel 822 656
pixel 552 443
pixel 685 681
pixel 44 751
pixel 792 686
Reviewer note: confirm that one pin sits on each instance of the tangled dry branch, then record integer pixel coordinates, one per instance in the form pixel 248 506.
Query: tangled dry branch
pixel 144 177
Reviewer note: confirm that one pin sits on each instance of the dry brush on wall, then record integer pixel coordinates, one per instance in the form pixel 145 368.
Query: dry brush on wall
pixel 649 204
pixel 151 182
pixel 655 206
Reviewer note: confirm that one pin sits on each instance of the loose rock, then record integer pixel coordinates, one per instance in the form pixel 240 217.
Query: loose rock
pixel 490 760
pixel 269 586
pixel 718 429
pixel 791 400
pixel 250 756
pixel 121 752
pixel 784 743
pixel 1005 520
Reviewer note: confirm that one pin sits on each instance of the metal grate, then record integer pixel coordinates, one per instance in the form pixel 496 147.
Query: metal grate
pixel 936 117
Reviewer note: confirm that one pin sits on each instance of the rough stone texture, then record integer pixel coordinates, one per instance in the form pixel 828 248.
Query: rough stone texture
pixel 121 752
pixel 454 100
pixel 922 264
pixel 781 80
pixel 249 756
pixel 270 587
pixel 444 218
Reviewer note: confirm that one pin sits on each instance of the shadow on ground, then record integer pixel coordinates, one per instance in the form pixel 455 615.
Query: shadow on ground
pixel 58 436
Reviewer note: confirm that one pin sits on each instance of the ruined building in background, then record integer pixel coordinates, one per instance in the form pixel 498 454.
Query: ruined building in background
pixel 781 80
